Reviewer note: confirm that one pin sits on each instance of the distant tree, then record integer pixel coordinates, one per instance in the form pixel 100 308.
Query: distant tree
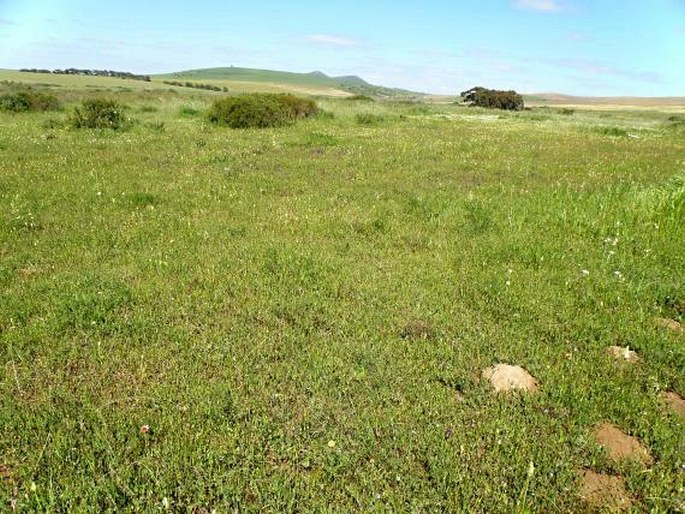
pixel 493 98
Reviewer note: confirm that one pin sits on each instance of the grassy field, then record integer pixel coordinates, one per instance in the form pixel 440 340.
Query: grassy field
pixel 278 82
pixel 200 319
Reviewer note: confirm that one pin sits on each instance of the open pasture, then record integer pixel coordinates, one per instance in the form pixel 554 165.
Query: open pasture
pixel 195 318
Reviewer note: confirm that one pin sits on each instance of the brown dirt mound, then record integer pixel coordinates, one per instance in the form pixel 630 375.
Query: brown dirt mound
pixel 671 324
pixel 620 445
pixel 675 402
pixel 623 354
pixel 504 377
pixel 605 491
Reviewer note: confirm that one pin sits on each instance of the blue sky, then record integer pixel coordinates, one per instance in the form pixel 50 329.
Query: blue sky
pixel 598 47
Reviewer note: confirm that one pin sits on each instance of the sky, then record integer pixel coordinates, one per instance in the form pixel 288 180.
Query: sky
pixel 582 47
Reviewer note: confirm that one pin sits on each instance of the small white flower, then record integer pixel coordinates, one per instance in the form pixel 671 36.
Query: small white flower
pixel 585 272
pixel 508 282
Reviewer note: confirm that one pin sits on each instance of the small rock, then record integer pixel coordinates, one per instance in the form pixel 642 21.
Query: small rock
pixel 671 324
pixel 675 402
pixel 605 491
pixel 620 445
pixel 623 354
pixel 504 377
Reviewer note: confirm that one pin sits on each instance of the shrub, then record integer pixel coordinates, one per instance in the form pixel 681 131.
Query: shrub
pixel 494 99
pixel 299 107
pixel 260 110
pixel 367 118
pixel 99 113
pixel 360 98
pixel 25 101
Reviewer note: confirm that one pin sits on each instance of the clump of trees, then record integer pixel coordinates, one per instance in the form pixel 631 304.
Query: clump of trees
pixel 493 98
pixel 260 110
pixel 25 101
pixel 99 113
pixel 196 85
pixel 91 73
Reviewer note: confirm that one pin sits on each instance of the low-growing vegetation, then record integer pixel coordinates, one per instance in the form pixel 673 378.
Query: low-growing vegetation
pixel 99 113
pixel 260 110
pixel 29 100
pixel 399 307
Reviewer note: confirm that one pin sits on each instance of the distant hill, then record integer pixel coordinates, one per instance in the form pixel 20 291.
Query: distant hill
pixel 541 99
pixel 316 79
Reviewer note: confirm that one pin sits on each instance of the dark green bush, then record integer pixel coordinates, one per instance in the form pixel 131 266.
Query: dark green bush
pixel 99 113
pixel 25 101
pixel 260 110
pixel 494 99
pixel 360 98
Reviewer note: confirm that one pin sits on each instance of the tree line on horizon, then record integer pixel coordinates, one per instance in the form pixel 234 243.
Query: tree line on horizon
pixel 91 73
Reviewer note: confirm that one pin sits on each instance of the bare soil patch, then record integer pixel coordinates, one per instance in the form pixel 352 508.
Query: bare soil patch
pixel 675 402
pixel 505 377
pixel 605 491
pixel 623 354
pixel 620 445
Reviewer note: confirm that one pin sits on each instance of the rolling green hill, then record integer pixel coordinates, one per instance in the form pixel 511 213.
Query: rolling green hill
pixel 315 79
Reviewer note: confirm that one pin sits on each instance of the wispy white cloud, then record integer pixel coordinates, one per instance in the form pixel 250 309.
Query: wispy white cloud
pixel 334 40
pixel 538 5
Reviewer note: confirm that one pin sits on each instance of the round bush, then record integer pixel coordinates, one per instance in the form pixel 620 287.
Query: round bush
pixel 99 113
pixel 259 110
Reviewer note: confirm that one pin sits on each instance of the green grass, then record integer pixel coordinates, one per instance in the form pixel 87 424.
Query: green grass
pixel 250 295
